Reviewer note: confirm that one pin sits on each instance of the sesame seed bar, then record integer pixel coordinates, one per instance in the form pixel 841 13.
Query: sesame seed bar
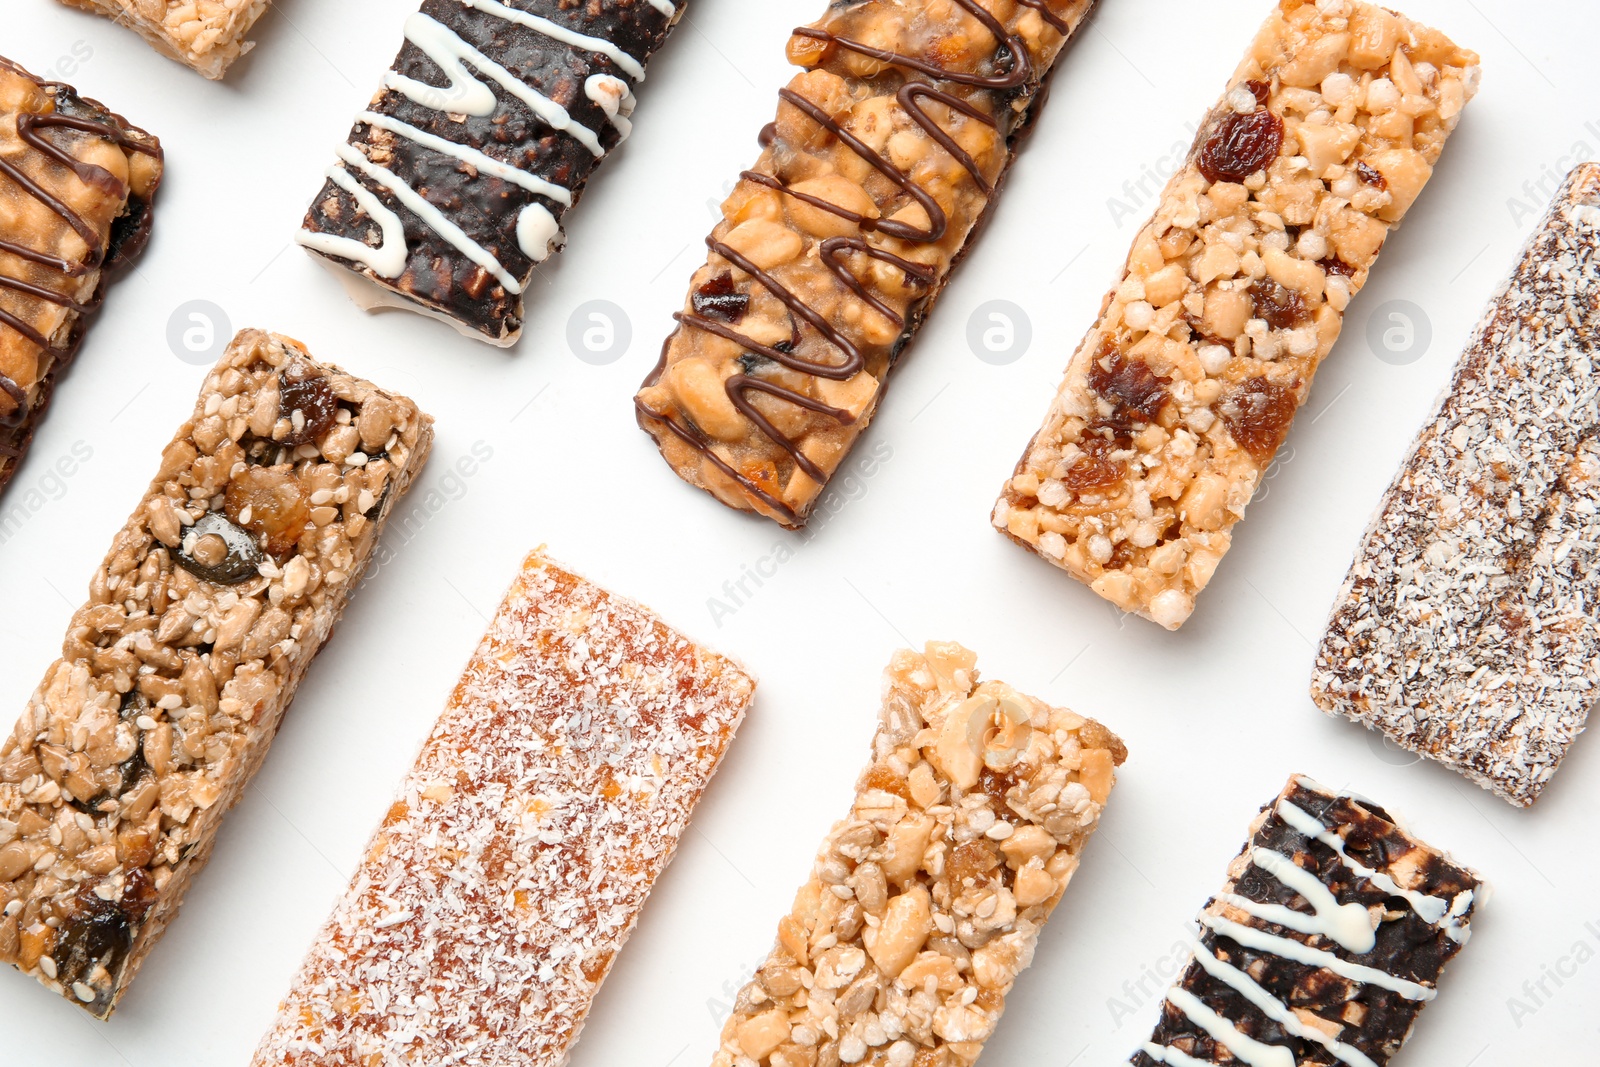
pixel 1325 944
pixel 206 35
pixel 76 187
pixel 1466 628
pixel 926 903
pixel 873 182
pixel 201 622
pixel 1176 402
pixel 505 879
pixel 485 132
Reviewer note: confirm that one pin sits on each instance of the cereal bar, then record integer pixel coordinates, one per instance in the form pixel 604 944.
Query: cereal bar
pixel 884 161
pixel 495 115
pixel 1466 630
pixel 1323 947
pixel 926 903
pixel 174 676
pixel 76 186
pixel 504 880
pixel 1180 395
pixel 207 35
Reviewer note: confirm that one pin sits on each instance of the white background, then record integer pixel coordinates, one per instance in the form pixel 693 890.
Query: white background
pixel 1216 717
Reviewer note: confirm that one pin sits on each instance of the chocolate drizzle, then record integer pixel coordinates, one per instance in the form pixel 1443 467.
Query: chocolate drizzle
pixel 1015 74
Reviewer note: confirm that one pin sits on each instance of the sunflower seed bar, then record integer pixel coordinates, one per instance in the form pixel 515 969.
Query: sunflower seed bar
pixel 1178 398
pixel 1325 944
pixel 174 676
pixel 504 881
pixel 884 161
pixel 926 903
pixel 451 189
pixel 1466 628
pixel 207 35
pixel 76 186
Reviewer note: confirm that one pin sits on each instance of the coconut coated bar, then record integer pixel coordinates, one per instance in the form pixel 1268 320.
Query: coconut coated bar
pixel 1180 395
pixel 1323 947
pixel 496 113
pixel 76 187
pixel 886 156
pixel 505 879
pixel 207 35
pixel 926 902
pixel 173 679
pixel 1466 630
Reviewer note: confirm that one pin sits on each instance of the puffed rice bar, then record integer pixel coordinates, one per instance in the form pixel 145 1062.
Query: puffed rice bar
pixel 207 35
pixel 1466 630
pixel 76 187
pixel 885 159
pixel 506 878
pixel 1179 397
pixel 1327 941
pixel 926 903
pixel 200 624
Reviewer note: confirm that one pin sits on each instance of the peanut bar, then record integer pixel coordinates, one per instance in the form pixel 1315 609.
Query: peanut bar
pixel 884 161
pixel 76 186
pixel 173 679
pixel 1323 947
pixel 496 113
pixel 206 35
pixel 1466 628
pixel 504 880
pixel 926 903
pixel 1180 395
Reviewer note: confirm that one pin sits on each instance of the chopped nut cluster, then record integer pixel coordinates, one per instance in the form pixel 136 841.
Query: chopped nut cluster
pixel 926 903
pixel 207 35
pixel 200 624
pixel 885 155
pixel 1181 394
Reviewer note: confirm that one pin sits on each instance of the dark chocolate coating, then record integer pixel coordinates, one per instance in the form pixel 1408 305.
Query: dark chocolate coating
pixel 486 208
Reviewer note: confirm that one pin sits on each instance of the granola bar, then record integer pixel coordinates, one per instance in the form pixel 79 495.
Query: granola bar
pixel 487 129
pixel 1180 395
pixel 76 185
pixel 207 35
pixel 174 676
pixel 926 903
pixel 1325 944
pixel 1466 629
pixel 504 881
pixel 883 163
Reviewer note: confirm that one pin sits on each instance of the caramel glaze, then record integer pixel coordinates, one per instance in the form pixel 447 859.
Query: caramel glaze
pixel 127 238
pixel 1014 73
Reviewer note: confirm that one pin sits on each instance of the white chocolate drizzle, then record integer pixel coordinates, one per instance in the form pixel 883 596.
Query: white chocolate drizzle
pixel 612 95
pixel 632 67
pixel 471 156
pixel 664 6
pixel 1349 924
pixel 538 232
pixel 1245 1049
pixel 388 260
pixel 1283 947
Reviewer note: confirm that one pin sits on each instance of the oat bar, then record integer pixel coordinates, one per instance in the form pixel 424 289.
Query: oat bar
pixel 207 35
pixel 505 879
pixel 496 113
pixel 1325 944
pixel 926 903
pixel 174 676
pixel 1466 630
pixel 873 182
pixel 76 185
pixel 1182 392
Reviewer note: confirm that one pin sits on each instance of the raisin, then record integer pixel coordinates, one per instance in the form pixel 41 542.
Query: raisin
pixel 309 395
pixel 1261 90
pixel 996 784
pixel 270 503
pixel 1258 415
pixel 718 299
pixel 97 933
pixel 1281 307
pixel 881 777
pixel 1093 470
pixel 971 862
pixel 1133 389
pixel 1240 145
pixel 1333 265
pixel 216 550
pixel 1372 176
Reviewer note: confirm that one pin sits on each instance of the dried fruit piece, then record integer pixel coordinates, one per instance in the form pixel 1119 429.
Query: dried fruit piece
pixel 216 550
pixel 1258 415
pixel 306 400
pixel 1282 308
pixel 1261 90
pixel 718 299
pixel 271 503
pixel 1133 389
pixel 1240 145
pixel 1371 175
pixel 1333 265
pixel 1093 470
